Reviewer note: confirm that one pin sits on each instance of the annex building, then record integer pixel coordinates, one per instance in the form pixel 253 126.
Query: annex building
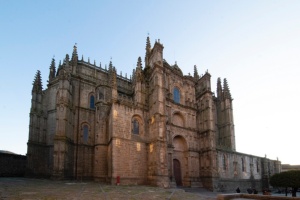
pixel 158 127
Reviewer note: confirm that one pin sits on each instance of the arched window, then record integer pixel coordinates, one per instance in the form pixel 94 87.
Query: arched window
pixel 92 102
pixel 135 126
pixel 85 133
pixel 176 95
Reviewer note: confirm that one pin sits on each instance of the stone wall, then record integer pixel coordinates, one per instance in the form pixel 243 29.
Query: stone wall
pixel 12 165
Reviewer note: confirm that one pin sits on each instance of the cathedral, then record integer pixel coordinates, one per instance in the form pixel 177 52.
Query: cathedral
pixel 158 127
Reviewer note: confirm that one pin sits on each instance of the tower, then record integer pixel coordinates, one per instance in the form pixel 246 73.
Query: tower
pixel 226 135
pixel 206 130
pixel 37 161
pixel 63 150
pixel 157 155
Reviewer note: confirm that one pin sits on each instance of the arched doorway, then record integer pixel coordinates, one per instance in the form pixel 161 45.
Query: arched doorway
pixel 180 165
pixel 177 172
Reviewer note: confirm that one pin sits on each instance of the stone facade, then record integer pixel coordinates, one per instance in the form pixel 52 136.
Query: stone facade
pixel 157 127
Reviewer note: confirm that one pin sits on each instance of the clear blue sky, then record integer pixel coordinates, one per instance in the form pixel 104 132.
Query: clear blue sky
pixel 254 44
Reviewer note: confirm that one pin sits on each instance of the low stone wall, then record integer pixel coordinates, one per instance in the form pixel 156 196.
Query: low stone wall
pixel 12 165
pixel 253 196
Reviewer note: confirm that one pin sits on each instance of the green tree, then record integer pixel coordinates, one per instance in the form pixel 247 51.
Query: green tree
pixel 287 179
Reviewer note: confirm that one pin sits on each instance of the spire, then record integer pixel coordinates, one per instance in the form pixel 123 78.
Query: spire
pixel 37 83
pixel 110 66
pixel 226 89
pixel 148 44
pixel 196 75
pixel 52 70
pixel 139 63
pixel 66 61
pixel 114 78
pixel 219 88
pixel 112 72
pixel 138 71
pixel 148 51
pixel 133 75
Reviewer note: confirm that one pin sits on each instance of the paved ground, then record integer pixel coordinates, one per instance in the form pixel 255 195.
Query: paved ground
pixel 22 188
pixel 43 189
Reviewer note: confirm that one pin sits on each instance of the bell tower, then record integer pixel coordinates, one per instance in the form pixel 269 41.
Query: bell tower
pixel 157 152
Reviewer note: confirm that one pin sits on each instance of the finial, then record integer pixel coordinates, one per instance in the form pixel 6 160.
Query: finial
pixel 75 48
pixel 74 54
pixel 89 60
pixel 110 64
pixel 82 57
pixel 95 62
pixel 100 66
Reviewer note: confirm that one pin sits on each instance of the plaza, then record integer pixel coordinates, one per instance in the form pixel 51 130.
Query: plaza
pixel 23 188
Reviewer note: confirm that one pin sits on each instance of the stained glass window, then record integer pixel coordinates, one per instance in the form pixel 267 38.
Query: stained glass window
pixel 92 102
pixel 85 133
pixel 176 95
pixel 135 126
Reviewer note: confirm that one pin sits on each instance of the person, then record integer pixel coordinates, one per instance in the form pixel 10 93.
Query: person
pixel 254 191
pixel 249 190
pixel 238 190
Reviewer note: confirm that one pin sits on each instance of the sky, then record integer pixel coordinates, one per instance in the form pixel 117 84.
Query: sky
pixel 254 44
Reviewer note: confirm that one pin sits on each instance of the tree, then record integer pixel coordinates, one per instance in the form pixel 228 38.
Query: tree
pixel 287 179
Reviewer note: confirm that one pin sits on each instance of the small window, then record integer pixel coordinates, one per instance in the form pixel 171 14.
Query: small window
pixel 243 165
pixel 85 133
pixel 135 126
pixel 92 102
pixel 257 166
pixel 101 96
pixel 176 95
pixel 224 162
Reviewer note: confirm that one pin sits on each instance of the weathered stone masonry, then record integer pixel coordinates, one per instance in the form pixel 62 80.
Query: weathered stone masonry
pixel 157 127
